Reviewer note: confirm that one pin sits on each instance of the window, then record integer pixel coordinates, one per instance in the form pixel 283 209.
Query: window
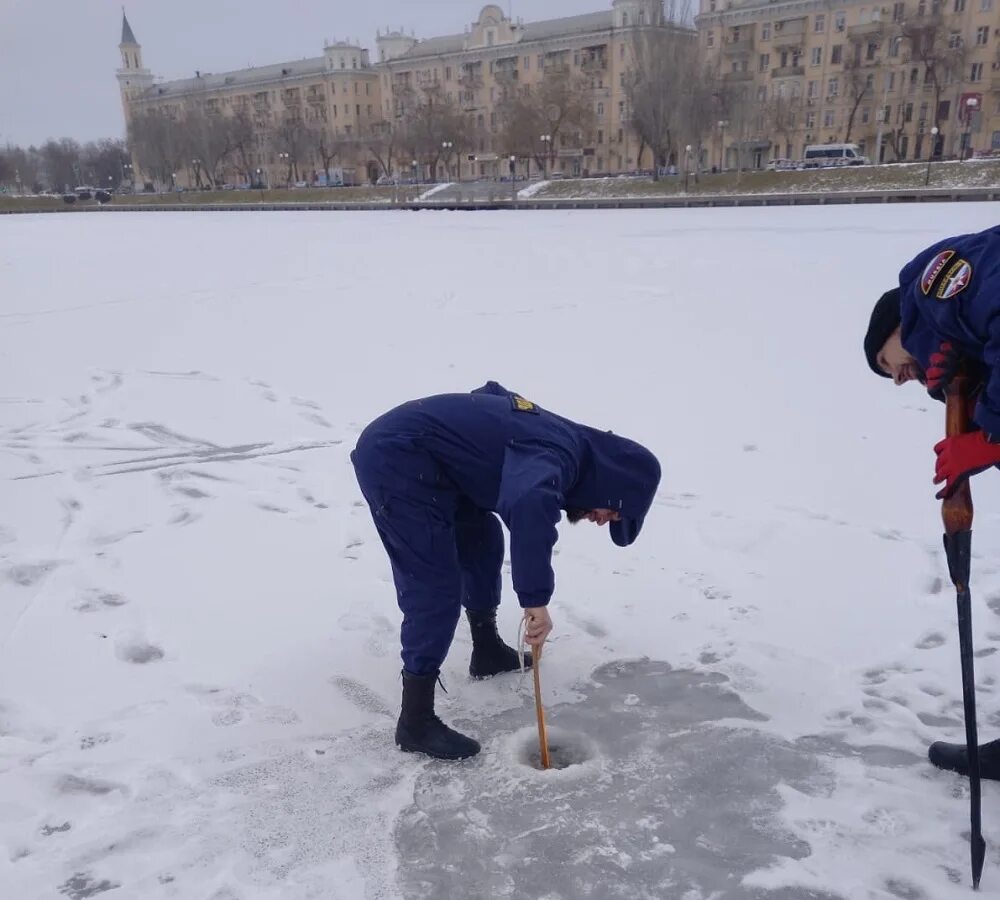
pixel 811 119
pixel 898 11
pixel 895 43
pixel 447 73
pixel 765 31
pixel 922 117
pixel 600 109
pixel 837 54
pixel 986 6
pixel 358 109
pixel 908 112
pixel 621 51
pixel 621 110
pixel 764 62
pixel 762 93
pixel 828 117
pixel 976 72
pixel 491 37
pixel 871 51
pixel 817 56
pixel 840 21
pixel 621 79
pixel 576 58
pixel 600 135
pixel 944 110
pixel 368 88
pixel 812 89
pixel 369 109
pixel 982 35
pixel 527 64
pixel 959 6
pixel 621 135
pixel 819 24
pixel 995 141
pixel 886 113
pixel 833 87
pixel 954 40
pixel 709 40
pixel 866 114
pixel 870 82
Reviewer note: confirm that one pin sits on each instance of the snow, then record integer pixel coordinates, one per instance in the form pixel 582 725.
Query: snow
pixel 199 669
pixel 532 189
pixel 426 195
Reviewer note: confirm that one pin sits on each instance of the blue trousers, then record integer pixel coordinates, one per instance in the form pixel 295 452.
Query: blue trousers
pixel 445 552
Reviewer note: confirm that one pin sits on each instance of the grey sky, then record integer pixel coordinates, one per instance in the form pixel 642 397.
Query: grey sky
pixel 58 57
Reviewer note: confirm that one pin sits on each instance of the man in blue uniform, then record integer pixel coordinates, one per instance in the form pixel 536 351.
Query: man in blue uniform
pixel 946 313
pixel 436 474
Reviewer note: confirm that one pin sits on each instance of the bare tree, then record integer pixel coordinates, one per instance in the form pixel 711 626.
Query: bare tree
pixel 61 160
pixel 941 57
pixel 209 136
pixel 858 83
pixel 159 144
pixel 382 143
pixel 291 136
pixel 429 121
pixel 105 162
pixel 245 141
pixel 662 88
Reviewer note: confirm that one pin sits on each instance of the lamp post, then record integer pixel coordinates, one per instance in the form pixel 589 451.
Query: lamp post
pixel 546 140
pixel 447 146
pixel 260 183
pixel 687 166
pixel 413 165
pixel 196 165
pixel 513 178
pixel 930 154
pixel 285 161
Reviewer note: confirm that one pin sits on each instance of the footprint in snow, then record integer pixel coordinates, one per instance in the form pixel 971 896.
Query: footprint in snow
pixel 930 641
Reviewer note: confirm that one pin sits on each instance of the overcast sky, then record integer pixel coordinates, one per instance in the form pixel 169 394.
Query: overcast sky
pixel 58 57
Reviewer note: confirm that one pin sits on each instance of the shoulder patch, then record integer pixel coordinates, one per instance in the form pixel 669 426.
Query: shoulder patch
pixel 933 269
pixel 519 404
pixel 956 280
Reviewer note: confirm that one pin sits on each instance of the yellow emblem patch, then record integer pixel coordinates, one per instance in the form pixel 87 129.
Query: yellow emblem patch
pixel 522 405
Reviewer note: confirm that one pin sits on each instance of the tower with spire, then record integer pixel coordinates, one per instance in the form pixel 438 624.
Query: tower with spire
pixel 133 78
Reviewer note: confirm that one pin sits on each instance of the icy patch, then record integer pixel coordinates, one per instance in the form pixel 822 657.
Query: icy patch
pixel 664 796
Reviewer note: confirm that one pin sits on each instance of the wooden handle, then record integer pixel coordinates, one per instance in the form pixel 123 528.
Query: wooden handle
pixel 957 510
pixel 543 742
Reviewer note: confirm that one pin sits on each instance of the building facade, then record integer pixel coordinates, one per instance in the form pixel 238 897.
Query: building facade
pixel 357 107
pixel 883 76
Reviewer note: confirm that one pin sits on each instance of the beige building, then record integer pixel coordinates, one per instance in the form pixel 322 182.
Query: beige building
pixel 878 75
pixel 354 101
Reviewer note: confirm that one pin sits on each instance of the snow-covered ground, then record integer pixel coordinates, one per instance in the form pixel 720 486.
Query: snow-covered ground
pixel 199 667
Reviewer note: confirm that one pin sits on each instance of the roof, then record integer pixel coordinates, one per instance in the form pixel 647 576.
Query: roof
pixel 531 31
pixel 127 36
pixel 208 81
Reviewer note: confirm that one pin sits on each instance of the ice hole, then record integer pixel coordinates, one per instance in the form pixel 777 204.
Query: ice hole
pixel 565 749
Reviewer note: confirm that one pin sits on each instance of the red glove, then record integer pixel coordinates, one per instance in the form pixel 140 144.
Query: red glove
pixel 961 456
pixel 944 364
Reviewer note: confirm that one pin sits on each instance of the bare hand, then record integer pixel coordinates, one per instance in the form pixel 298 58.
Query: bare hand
pixel 537 625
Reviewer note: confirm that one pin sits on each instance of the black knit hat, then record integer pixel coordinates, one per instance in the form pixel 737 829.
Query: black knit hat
pixel 885 320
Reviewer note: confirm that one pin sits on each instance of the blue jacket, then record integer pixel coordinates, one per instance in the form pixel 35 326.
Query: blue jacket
pixel 508 455
pixel 951 291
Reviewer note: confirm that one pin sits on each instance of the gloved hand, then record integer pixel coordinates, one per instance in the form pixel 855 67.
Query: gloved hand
pixel 962 456
pixel 944 363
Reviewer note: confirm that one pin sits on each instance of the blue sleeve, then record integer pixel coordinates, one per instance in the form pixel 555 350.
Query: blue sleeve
pixel 530 503
pixel 987 413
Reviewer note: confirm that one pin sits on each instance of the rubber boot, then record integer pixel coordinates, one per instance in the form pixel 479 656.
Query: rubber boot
pixel 490 655
pixel 419 730
pixel 954 758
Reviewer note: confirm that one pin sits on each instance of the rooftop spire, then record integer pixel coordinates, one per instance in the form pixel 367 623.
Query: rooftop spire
pixel 127 36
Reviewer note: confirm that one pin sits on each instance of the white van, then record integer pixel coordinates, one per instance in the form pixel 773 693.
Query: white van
pixel 821 155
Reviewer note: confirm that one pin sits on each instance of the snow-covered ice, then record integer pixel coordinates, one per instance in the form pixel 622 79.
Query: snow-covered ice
pixel 199 669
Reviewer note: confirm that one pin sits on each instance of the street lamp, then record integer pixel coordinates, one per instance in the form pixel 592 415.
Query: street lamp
pixel 513 178
pixel 930 155
pixel 722 143
pixel 284 157
pixel 260 183
pixel 196 163
pixel 687 166
pixel 414 165
pixel 446 147
pixel 546 140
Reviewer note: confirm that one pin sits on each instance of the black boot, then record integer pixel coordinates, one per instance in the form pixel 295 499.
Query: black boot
pixel 954 758
pixel 420 731
pixel 490 655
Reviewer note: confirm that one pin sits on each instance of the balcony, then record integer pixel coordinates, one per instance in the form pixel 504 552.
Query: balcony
pixel 737 76
pixel 742 47
pixel 788 71
pixel 559 68
pixel 790 33
pixel 592 65
pixel 995 82
pixel 868 29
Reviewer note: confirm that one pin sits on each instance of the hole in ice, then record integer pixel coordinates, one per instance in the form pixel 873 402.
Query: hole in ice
pixel 565 749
